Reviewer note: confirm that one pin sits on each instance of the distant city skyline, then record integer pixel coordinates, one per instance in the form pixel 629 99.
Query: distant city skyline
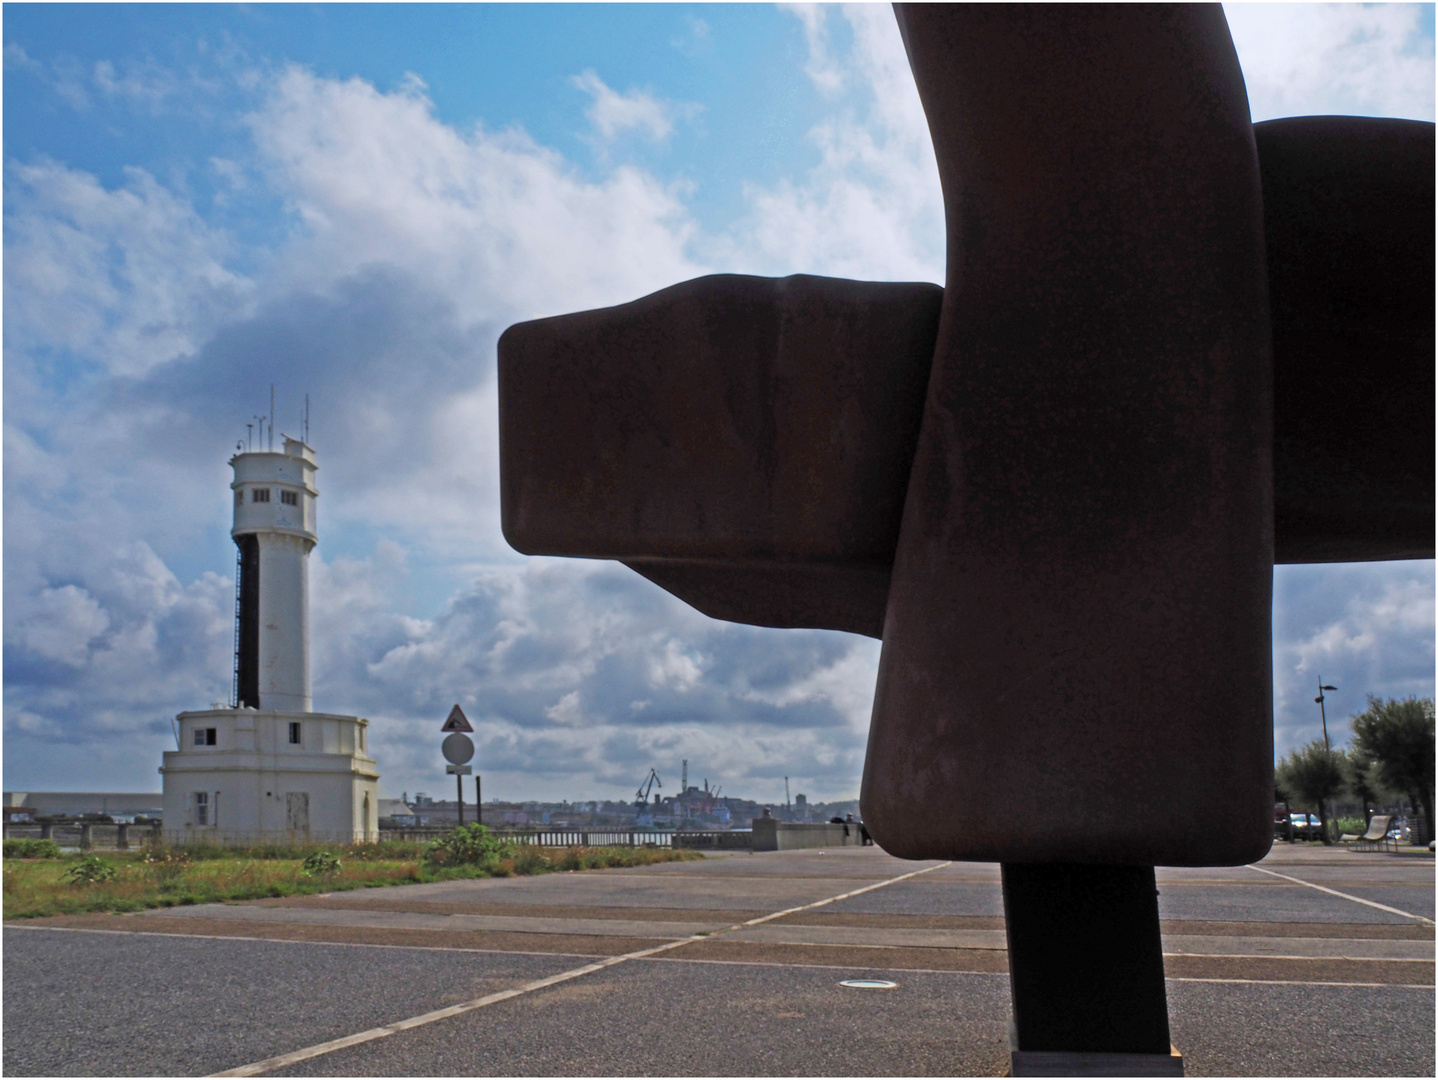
pixel 352 202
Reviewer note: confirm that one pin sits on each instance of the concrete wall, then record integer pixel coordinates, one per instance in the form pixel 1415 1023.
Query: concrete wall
pixel 284 659
pixel 771 834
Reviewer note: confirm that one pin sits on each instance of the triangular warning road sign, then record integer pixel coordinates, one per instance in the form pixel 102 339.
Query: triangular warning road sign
pixel 457 721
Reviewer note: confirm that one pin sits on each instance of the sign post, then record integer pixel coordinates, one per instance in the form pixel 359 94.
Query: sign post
pixel 457 750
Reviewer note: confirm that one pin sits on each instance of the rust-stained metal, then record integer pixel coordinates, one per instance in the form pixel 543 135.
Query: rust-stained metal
pixel 743 442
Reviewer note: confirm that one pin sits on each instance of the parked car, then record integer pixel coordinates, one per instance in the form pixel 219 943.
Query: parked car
pixel 1306 827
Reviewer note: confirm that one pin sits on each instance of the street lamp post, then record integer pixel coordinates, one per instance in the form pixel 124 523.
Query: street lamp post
pixel 1322 712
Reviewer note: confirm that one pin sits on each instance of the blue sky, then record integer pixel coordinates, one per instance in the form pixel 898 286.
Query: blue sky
pixel 353 202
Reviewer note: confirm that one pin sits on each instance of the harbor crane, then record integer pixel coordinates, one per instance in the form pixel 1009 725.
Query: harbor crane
pixel 641 797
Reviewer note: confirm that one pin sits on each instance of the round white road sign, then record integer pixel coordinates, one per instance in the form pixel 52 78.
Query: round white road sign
pixel 457 748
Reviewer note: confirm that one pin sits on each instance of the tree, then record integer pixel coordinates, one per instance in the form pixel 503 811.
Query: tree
pixel 1361 776
pixel 1398 735
pixel 1312 775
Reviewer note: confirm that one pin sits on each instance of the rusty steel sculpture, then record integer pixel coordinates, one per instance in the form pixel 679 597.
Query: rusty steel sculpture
pixel 1173 347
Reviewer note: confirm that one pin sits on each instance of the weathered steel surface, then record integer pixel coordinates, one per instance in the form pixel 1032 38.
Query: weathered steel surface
pixel 1077 640
pixel 743 442
pixel 1348 222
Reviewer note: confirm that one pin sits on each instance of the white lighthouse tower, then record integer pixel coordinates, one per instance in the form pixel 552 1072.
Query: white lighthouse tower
pixel 274 530
pixel 266 766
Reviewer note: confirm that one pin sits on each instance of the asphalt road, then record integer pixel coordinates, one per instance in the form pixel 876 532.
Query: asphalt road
pixel 1267 976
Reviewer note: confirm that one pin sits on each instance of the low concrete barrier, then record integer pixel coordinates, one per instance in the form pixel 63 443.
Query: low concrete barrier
pixel 771 834
pixel 715 840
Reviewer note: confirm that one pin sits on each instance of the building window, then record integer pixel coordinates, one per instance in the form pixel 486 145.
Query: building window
pixel 290 498
pixel 361 737
pixel 259 495
pixel 239 497
pixel 205 736
pixel 202 808
pixel 294 733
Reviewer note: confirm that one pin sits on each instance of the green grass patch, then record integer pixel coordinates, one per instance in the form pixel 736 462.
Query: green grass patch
pixel 157 877
pixel 32 849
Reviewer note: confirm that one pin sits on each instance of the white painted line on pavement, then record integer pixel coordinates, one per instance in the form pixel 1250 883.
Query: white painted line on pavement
pixel 284 1060
pixel 1345 896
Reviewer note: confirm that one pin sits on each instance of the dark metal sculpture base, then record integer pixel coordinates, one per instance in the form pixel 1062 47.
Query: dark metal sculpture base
pixel 1086 971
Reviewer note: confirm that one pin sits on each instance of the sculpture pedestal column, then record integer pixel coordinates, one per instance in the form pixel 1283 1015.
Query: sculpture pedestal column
pixel 1086 972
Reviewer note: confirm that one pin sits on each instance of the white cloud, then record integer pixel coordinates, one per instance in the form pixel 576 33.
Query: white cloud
pixel 823 68
pixel 613 114
pixel 129 278
pixel 872 209
pixel 61 625
pixel 674 668
pixel 1350 59
pixel 494 221
pixel 566 712
pixel 145 84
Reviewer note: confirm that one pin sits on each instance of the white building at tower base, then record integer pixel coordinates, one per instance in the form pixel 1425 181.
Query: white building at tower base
pixel 251 776
pixel 267 768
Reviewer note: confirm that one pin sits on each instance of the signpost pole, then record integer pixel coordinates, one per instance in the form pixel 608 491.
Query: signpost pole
pixel 457 749
pixel 478 802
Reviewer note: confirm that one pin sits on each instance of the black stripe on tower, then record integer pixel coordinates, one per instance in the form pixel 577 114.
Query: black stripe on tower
pixel 247 654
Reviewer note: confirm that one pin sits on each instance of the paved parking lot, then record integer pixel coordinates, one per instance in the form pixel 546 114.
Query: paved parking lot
pixel 1314 962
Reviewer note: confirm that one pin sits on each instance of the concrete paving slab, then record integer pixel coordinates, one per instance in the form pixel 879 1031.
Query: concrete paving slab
pixel 711 1020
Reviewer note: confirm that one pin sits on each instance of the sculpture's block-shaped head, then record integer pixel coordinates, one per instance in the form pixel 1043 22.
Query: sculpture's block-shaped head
pixel 745 442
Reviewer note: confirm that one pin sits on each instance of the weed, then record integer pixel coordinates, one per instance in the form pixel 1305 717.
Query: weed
pixel 90 870
pixel 532 860
pixel 467 845
pixel 321 864
pixel 166 865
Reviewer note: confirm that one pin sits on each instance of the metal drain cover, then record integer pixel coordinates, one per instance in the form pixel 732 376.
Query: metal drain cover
pixel 870 984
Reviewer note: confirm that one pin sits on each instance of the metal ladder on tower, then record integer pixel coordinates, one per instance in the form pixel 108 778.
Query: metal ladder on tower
pixel 235 674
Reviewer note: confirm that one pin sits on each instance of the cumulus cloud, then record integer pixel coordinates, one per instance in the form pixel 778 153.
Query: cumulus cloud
pixel 126 278
pixel 1353 59
pixel 575 673
pixel 498 223
pixel 613 113
pixel 61 625
pixel 872 208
